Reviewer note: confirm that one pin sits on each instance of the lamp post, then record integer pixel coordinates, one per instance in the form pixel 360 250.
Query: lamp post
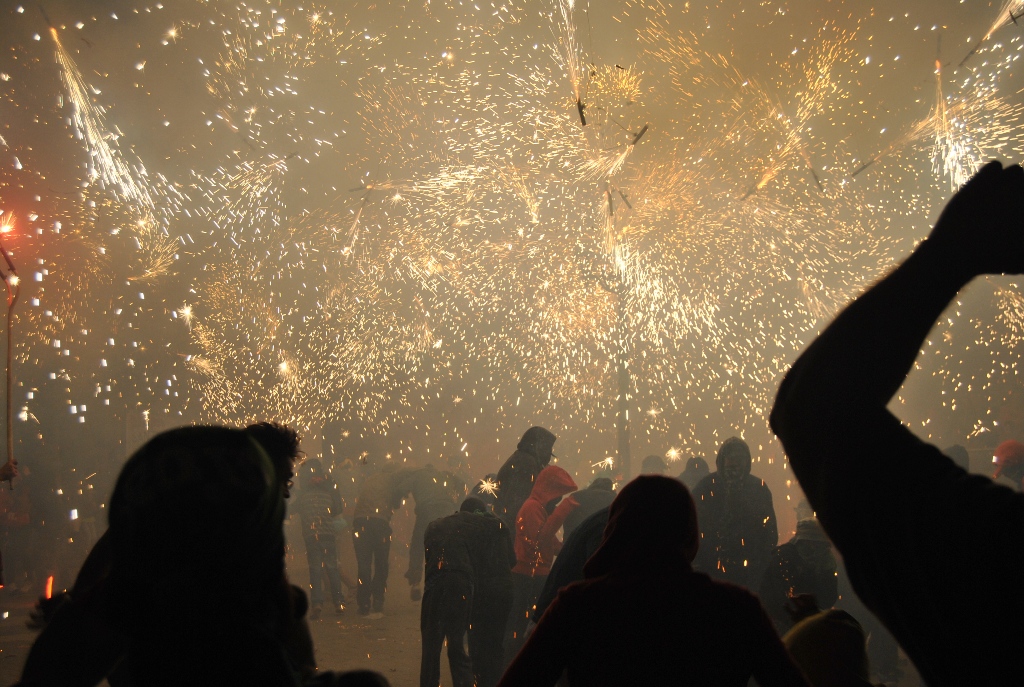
pixel 13 283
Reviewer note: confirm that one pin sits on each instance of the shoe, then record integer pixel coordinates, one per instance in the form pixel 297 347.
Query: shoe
pixel 339 609
pixel 315 612
pixel 376 615
pixel 415 593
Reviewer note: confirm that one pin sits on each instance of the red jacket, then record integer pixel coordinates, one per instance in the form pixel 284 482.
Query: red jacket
pixel 536 540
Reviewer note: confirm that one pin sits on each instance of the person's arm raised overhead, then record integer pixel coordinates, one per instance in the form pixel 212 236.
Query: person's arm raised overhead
pixel 856 366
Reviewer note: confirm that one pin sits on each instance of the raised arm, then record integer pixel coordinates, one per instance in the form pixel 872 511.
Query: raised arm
pixel 855 367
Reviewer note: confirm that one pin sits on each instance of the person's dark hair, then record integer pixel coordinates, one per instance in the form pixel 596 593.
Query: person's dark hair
pixel 653 464
pixel 197 549
pixel 281 443
pixel 473 505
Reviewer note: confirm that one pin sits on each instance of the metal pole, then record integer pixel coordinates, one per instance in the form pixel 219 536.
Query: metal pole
pixel 13 291
pixel 623 404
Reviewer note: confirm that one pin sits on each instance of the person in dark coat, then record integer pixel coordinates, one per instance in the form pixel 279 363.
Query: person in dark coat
pixel 598 496
pixel 468 590
pixel 536 545
pixel 319 505
pixel 737 519
pixel 379 496
pixel 577 549
pixel 516 476
pixel 918 535
pixel 643 616
pixel 802 566
pixel 696 469
pixel 436 494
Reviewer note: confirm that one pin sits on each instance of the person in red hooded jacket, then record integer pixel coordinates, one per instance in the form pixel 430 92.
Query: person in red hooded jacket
pixel 536 545
pixel 1009 460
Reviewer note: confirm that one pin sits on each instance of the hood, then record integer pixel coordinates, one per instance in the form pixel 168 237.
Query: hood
pixel 535 437
pixel 734 445
pixel 652 525
pixel 1009 454
pixel 553 482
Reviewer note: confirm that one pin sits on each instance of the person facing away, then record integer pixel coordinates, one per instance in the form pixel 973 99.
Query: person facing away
pixel 959 455
pixel 435 494
pixel 1009 461
pixel 696 469
pixel 598 496
pixel 920 542
pixel 319 505
pixel 516 476
pixel 468 565
pixel 80 644
pixel 653 465
pixel 577 548
pixel 378 498
pixel 804 565
pixel 830 648
pixel 536 544
pixel 737 519
pixel 643 616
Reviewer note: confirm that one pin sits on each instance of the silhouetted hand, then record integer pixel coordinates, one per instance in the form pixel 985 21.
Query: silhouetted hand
pixel 981 230
pixel 802 606
pixel 8 471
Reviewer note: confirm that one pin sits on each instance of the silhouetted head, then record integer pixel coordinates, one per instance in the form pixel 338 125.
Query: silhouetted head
pixel 197 554
pixel 831 649
pixel 538 442
pixel 281 443
pixel 958 454
pixel 602 484
pixel 473 505
pixel 653 465
pixel 1009 460
pixel 698 465
pixel 652 526
pixel 733 460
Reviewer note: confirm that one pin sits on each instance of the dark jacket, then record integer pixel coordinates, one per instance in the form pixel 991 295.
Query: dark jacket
pixel 738 528
pixel 516 476
pixel 475 544
pixel 591 500
pixel 536 541
pixel 318 503
pixel 798 567
pixel 577 548
pixel 643 617
pixel 381 494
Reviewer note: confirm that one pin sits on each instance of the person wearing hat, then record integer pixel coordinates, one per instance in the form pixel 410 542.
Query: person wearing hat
pixel 517 474
pixel 737 519
pixel 803 565
pixel 643 616
pixel 1009 460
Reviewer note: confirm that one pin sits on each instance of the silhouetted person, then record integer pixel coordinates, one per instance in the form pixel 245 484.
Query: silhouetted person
pixel 468 577
pixel 80 645
pixel 577 548
pixel 435 494
pixel 1009 460
pixel 319 506
pixel 830 648
pixel 536 545
pixel 371 535
pixel 516 476
pixel 917 534
pixel 959 455
pixel 696 469
pixel 642 616
pixel 598 496
pixel 737 519
pixel 802 566
pixel 653 465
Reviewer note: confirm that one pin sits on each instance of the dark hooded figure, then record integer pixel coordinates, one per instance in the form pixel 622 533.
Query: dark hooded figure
pixel 737 519
pixel 803 565
pixel 653 465
pixel 577 549
pixel 536 545
pixel 598 496
pixel 516 476
pixel 468 590
pixel 642 616
pixel 435 494
pixel 696 469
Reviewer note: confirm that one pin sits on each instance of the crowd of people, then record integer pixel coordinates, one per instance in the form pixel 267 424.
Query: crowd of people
pixel 663 580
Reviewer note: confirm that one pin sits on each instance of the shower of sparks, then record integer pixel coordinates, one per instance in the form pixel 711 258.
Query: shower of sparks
pixel 360 222
pixel 489 487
